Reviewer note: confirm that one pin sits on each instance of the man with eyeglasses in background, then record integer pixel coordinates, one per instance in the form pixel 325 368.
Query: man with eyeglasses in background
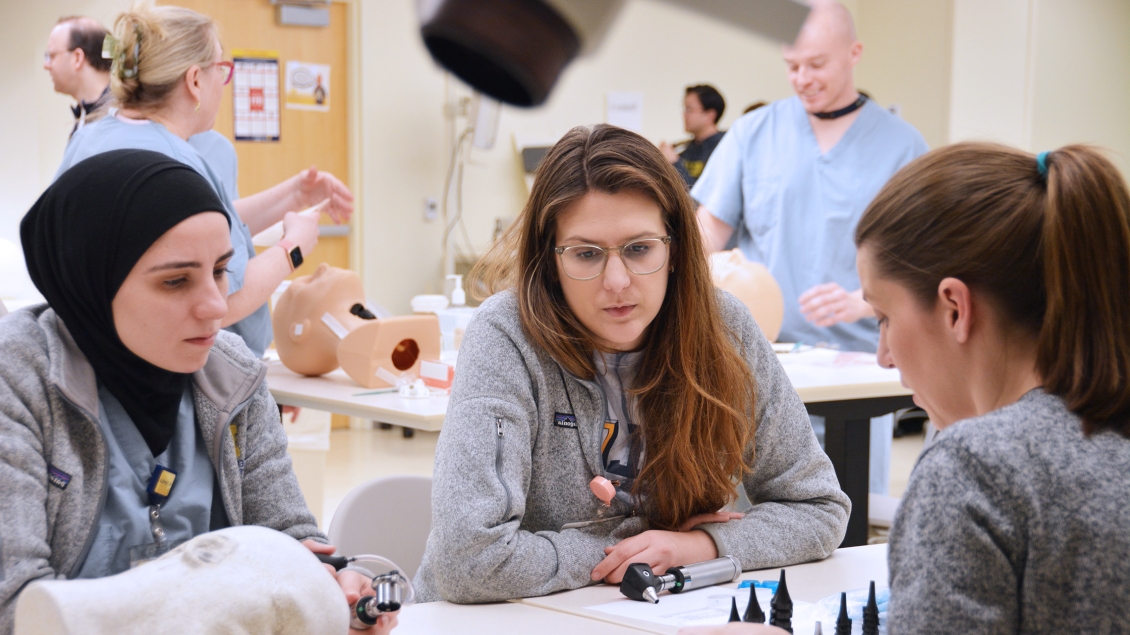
pixel 702 110
pixel 74 60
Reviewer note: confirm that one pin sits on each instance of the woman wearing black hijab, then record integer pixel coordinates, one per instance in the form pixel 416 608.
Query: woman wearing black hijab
pixel 125 379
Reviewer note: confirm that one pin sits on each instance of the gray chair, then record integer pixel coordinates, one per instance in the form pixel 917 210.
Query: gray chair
pixel 389 516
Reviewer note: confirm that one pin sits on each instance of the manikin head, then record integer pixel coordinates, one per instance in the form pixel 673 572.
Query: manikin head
pixel 248 579
pixel 751 283
pixel 822 60
pixel 307 344
pixel 74 56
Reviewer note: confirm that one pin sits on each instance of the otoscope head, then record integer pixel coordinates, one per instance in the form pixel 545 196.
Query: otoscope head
pixel 640 583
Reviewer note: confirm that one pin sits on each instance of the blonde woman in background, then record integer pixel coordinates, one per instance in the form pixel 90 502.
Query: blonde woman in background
pixel 167 80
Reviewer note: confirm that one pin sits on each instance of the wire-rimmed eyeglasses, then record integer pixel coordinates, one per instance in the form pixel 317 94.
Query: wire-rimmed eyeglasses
pixel 641 257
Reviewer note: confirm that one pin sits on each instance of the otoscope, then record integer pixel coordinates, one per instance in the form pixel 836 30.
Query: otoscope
pixel 393 590
pixel 641 583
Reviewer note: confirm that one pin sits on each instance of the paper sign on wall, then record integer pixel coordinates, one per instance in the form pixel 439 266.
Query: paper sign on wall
pixel 307 86
pixel 625 109
pixel 255 95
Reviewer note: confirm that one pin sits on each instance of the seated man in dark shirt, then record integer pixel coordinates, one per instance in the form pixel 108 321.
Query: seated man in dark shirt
pixel 702 110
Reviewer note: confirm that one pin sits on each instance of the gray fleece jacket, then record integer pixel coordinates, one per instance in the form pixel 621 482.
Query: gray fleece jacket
pixel 522 440
pixel 1015 522
pixel 49 426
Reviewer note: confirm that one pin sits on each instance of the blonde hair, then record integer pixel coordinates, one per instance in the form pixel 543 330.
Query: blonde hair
pixel 155 46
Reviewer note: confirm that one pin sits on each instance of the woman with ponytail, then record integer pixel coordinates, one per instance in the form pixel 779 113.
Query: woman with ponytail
pixel 1001 281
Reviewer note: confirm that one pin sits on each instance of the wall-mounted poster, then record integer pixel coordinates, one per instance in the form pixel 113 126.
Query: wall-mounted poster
pixel 255 95
pixel 307 86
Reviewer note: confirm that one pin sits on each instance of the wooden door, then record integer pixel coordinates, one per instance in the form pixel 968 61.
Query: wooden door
pixel 306 137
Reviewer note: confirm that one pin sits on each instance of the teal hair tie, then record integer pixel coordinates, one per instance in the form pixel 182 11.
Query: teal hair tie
pixel 1042 164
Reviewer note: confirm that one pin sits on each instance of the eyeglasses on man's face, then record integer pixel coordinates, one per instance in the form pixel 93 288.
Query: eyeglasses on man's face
pixel 49 56
pixel 641 257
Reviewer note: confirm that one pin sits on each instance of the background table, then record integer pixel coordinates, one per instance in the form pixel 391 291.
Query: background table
pixel 336 392
pixel 847 389
pixel 565 612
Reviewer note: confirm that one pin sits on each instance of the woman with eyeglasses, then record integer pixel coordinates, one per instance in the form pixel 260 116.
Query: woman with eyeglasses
pixel 610 402
pixel 167 79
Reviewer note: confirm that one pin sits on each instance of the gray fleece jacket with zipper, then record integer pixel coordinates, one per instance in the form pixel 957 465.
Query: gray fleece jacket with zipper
pixel 49 419
pixel 522 440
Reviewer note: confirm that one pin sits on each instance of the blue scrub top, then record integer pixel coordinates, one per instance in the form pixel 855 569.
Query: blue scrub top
pixel 112 133
pixel 795 210
pixel 125 515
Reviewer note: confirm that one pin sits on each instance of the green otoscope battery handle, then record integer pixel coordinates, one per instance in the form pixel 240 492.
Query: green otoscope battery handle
pixel 642 584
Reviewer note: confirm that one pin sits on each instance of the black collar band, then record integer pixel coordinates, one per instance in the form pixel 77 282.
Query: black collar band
pixel 846 110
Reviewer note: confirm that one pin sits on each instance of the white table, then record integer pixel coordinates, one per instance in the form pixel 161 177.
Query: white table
pixel 336 392
pixel 565 612
pixel 847 389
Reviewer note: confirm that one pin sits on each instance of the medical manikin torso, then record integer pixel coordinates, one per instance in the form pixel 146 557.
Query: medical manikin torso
pixel 752 283
pixel 246 580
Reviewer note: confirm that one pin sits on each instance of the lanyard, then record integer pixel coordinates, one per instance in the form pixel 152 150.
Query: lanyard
pixel 159 489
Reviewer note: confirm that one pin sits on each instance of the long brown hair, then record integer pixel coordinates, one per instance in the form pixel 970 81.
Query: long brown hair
pixel 1051 250
pixel 694 391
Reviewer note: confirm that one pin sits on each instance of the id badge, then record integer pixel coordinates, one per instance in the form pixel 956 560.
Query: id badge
pixel 141 554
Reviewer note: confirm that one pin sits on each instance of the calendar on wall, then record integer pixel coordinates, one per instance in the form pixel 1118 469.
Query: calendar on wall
pixel 255 95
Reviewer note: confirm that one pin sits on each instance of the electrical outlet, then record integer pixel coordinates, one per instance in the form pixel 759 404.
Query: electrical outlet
pixel 431 208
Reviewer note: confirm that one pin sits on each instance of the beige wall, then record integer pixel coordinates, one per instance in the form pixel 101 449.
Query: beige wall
pixel 906 60
pixel 1033 73
pixel 1039 74
pixel 1081 88
pixel 36 120
pixel 654 48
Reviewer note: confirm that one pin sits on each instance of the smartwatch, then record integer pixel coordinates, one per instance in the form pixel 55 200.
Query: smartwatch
pixel 293 253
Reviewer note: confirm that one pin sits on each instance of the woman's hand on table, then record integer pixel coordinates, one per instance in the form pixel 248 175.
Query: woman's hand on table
pixel 661 550
pixel 355 586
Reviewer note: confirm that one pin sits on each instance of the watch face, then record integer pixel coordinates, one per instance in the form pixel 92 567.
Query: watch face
pixel 296 257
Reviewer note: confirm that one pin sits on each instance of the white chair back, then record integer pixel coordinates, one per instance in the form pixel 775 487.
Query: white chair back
pixel 389 516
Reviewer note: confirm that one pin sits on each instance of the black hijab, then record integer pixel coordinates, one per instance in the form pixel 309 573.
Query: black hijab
pixel 82 238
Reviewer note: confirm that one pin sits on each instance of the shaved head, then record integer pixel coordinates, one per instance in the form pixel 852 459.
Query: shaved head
pixel 828 22
pixel 822 59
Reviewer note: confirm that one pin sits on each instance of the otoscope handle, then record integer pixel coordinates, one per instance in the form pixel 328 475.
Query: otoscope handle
pixel 703 574
pixel 337 562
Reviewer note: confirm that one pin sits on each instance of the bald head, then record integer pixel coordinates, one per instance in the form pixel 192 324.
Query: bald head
pixel 822 60
pixel 829 20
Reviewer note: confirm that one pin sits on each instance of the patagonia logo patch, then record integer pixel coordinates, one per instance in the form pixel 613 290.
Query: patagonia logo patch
pixel 58 477
pixel 564 421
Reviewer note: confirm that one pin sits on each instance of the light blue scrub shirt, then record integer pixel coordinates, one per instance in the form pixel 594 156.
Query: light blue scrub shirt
pixel 112 133
pixel 124 522
pixel 795 210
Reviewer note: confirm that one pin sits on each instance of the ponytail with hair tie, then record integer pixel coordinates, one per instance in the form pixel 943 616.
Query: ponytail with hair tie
pixel 1052 254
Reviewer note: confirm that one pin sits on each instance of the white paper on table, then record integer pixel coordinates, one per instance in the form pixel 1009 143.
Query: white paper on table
pixel 701 607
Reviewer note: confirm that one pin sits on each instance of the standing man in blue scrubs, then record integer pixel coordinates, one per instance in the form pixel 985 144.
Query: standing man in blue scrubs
pixel 793 179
